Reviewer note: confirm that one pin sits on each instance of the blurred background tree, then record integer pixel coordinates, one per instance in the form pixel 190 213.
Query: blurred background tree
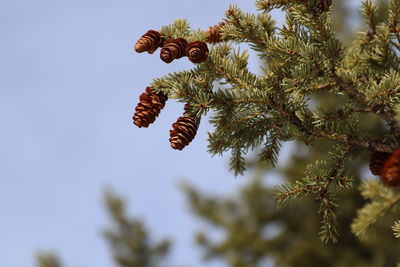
pixel 48 260
pixel 129 240
pixel 248 229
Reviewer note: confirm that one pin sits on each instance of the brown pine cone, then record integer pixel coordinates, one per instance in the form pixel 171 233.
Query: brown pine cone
pixel 183 130
pixel 391 169
pixel 197 51
pixel 376 161
pixel 322 6
pixel 213 34
pixel 149 42
pixel 148 108
pixel 173 49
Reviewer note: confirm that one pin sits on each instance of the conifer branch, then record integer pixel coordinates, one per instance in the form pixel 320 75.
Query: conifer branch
pixel 363 102
pixel 369 10
pixel 270 150
pixel 382 199
pixel 245 27
pixel 267 6
pixel 302 59
pixel 329 224
pixel 246 85
pixel 346 139
pixel 318 179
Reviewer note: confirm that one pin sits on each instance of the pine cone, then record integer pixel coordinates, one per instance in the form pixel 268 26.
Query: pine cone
pixel 391 169
pixel 213 34
pixel 148 108
pixel 183 130
pixel 173 49
pixel 322 6
pixel 376 161
pixel 149 42
pixel 197 51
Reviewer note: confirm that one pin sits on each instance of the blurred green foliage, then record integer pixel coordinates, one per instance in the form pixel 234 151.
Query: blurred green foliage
pixel 128 238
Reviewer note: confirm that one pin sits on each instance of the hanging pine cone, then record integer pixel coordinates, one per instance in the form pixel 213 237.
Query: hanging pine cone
pixel 376 161
pixel 391 169
pixel 149 42
pixel 322 6
pixel 197 51
pixel 173 49
pixel 148 108
pixel 213 34
pixel 183 130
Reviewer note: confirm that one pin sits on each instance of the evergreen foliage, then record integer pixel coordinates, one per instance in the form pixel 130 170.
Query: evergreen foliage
pixel 383 199
pixel 301 59
pixel 335 100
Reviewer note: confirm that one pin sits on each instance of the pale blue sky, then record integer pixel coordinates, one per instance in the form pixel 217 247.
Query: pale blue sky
pixel 69 82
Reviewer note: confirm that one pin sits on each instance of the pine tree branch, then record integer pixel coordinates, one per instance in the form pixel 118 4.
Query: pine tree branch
pixel 248 32
pixel 329 223
pixel 351 140
pixel 267 6
pixel 319 177
pixel 369 11
pixel 383 199
pixel 368 214
pixel 318 181
pixel 362 101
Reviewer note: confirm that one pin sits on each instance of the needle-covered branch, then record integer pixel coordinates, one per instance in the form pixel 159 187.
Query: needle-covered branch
pixel 382 200
pixel 319 177
pixel 302 59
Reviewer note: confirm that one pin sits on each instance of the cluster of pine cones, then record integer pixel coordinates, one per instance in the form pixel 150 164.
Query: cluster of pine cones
pixel 387 166
pixel 183 130
pixel 151 102
pixel 171 49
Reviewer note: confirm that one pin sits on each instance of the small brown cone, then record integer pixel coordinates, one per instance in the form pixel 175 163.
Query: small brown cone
pixel 148 108
pixel 213 34
pixel 197 51
pixel 376 161
pixel 391 169
pixel 149 42
pixel 183 131
pixel 322 6
pixel 173 49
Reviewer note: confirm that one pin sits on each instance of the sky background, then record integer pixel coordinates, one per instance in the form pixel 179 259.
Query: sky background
pixel 69 82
